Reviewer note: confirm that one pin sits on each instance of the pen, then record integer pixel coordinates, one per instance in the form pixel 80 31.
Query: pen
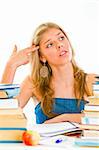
pixel 58 141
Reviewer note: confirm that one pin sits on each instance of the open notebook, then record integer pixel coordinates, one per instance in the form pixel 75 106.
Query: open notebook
pixel 53 129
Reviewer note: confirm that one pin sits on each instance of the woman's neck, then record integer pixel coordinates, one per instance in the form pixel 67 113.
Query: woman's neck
pixel 63 74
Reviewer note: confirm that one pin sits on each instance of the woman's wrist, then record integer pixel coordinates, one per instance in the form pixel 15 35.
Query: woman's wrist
pixel 9 73
pixel 11 65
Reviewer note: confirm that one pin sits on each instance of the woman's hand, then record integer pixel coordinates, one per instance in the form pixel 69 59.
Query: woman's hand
pixel 21 57
pixel 92 78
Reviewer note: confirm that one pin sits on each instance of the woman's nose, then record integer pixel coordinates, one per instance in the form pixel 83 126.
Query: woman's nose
pixel 59 45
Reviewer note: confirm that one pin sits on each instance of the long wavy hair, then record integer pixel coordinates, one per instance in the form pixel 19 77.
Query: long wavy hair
pixel 42 85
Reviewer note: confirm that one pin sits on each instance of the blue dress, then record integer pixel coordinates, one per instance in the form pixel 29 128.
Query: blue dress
pixel 60 106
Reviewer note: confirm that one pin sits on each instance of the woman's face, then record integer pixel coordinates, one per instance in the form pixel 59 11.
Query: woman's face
pixel 55 47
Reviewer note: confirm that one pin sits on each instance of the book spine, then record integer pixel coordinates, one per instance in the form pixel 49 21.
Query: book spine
pixel 90 120
pixel 91 108
pixel 10 141
pixel 8 103
pixel 11 128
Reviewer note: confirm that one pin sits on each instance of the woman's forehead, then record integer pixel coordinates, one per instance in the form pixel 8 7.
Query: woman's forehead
pixel 50 33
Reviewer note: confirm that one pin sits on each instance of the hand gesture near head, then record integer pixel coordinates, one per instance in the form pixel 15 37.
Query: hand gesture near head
pixel 21 57
pixel 17 59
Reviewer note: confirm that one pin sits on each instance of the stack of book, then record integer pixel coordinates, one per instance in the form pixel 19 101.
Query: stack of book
pixel 12 119
pixel 90 120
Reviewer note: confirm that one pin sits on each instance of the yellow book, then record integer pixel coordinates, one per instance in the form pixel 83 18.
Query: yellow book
pixel 13 121
pixel 11 135
pixel 12 111
pixel 93 100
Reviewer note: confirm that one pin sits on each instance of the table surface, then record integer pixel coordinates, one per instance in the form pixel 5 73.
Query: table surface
pixel 21 146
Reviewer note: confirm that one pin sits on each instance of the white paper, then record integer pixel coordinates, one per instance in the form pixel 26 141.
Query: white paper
pixel 54 128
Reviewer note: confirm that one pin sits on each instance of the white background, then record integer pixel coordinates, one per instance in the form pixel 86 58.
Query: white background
pixel 79 18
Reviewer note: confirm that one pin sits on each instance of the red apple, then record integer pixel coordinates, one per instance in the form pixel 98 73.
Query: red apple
pixel 31 137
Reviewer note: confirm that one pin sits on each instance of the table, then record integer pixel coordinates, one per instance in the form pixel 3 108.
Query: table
pixel 69 146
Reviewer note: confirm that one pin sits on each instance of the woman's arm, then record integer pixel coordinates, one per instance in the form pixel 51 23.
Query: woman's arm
pixel 8 74
pixel 17 59
pixel 66 117
pixel 26 92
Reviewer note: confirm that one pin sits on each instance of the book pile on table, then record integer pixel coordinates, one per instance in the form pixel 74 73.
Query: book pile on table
pixel 12 119
pixel 90 120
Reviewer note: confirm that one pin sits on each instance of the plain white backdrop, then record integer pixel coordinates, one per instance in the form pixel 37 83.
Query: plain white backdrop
pixel 79 18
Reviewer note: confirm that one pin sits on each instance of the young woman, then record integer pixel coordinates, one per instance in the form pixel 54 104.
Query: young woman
pixel 60 87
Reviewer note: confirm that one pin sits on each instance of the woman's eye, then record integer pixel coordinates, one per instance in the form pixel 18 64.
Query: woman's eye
pixel 61 38
pixel 49 45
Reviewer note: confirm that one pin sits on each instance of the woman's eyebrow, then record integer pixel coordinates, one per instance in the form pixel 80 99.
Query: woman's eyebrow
pixel 47 41
pixel 58 33
pixel 50 39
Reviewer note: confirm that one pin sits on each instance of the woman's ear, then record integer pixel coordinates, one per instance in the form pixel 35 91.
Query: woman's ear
pixel 42 58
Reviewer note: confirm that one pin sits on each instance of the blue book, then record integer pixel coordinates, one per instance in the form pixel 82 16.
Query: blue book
pixel 9 90
pixel 87 142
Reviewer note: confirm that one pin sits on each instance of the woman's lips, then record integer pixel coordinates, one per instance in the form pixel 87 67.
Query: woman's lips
pixel 63 53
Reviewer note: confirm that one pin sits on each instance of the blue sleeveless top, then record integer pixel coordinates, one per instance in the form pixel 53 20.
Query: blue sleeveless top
pixel 60 106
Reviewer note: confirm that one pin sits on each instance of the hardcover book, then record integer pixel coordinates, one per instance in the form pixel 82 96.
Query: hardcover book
pixel 11 135
pixel 8 103
pixel 89 107
pixel 9 90
pixel 13 121
pixel 90 120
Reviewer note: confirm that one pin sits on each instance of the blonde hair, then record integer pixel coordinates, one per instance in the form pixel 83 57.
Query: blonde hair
pixel 42 85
